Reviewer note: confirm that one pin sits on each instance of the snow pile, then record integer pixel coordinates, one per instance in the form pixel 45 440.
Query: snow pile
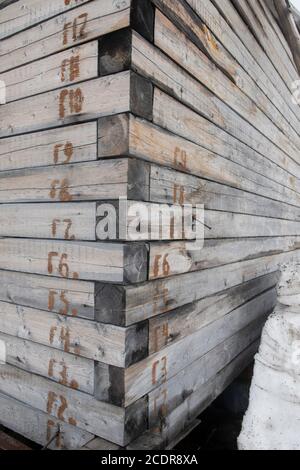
pixel 272 421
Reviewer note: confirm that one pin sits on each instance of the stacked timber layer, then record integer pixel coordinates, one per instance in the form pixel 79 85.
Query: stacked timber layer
pixel 122 343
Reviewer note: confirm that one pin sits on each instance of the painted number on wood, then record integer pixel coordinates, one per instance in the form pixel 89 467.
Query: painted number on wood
pixel 180 158
pixel 70 102
pixel 75 30
pixel 70 69
pixel 60 336
pixel 66 225
pixel 59 368
pixel 66 150
pixel 161 266
pixel 61 299
pixel 159 371
pixel 59 263
pixel 178 194
pixel 60 190
pixel 57 405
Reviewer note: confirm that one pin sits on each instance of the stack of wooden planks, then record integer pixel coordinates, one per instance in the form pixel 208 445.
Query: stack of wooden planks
pixel 121 342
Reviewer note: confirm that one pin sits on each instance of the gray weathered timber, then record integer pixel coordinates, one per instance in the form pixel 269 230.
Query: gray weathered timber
pixel 106 180
pixel 67 369
pixel 76 408
pixel 109 262
pixel 145 376
pixel 76 103
pixel 126 305
pixel 69 67
pixel 60 146
pixel 154 64
pixel 84 338
pixel 59 295
pixel 39 426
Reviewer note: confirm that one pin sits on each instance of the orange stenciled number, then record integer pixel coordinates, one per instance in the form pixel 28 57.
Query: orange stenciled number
pixel 161 266
pixel 66 149
pixel 73 99
pixel 70 69
pixel 178 194
pixel 77 27
pixel 60 190
pixel 159 371
pixel 67 223
pixel 60 297
pixel 63 267
pixel 180 158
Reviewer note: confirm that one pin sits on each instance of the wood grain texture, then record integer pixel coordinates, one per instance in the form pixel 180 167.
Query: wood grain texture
pixel 74 65
pixel 90 100
pixel 71 28
pixel 18 16
pixel 157 369
pixel 88 261
pixel 64 296
pixel 74 407
pixel 39 426
pixel 72 335
pixel 125 305
pixel 69 370
pixel 70 144
pixel 107 180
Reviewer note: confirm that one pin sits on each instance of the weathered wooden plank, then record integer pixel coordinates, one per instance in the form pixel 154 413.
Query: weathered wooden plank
pixel 169 259
pixel 70 144
pixel 91 340
pixel 86 101
pixel 276 38
pixel 168 186
pixel 192 126
pixel 174 326
pixel 209 14
pixel 151 62
pixel 180 418
pixel 40 427
pixel 68 67
pixel 88 181
pixel 240 27
pixel 253 106
pixel 71 28
pixel 17 16
pixel 228 225
pixel 204 37
pixel 273 48
pixel 173 393
pixel 125 305
pixel 218 161
pixel 59 295
pixel 109 262
pixel 145 376
pixel 67 369
pixel 106 221
pixel 189 56
pixel 61 221
pixel 79 409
